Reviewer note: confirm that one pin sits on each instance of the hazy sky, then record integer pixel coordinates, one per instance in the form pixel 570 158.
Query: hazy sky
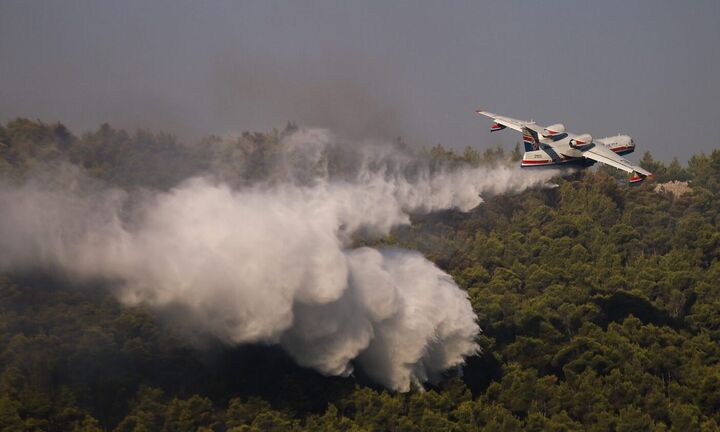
pixel 410 68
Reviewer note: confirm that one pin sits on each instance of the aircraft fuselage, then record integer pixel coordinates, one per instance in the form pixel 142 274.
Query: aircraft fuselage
pixel 563 152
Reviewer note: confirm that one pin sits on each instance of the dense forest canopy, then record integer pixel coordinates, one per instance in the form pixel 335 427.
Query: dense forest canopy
pixel 599 307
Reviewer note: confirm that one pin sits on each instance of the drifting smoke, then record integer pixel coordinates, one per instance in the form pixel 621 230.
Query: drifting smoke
pixel 272 262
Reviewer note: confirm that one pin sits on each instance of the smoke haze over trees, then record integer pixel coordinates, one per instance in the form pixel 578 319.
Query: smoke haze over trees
pixel 598 303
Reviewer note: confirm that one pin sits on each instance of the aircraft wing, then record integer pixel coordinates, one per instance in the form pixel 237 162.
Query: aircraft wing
pixel 602 154
pixel 512 123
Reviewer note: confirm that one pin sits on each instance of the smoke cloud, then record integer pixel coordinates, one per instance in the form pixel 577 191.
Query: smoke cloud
pixel 346 95
pixel 273 262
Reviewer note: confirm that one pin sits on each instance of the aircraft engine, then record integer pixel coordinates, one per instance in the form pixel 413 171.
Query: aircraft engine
pixel 553 130
pixel 581 140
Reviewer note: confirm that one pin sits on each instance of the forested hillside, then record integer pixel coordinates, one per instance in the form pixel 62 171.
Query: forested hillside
pixel 599 305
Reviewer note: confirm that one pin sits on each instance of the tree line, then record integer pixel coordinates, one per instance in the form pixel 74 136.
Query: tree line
pixel 599 304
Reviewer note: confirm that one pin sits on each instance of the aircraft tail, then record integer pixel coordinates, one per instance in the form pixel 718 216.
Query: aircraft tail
pixel 530 139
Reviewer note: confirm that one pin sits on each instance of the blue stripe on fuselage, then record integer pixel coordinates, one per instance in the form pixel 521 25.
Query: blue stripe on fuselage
pixel 582 162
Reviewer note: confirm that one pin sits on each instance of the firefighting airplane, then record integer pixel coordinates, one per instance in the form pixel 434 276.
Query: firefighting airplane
pixel 551 145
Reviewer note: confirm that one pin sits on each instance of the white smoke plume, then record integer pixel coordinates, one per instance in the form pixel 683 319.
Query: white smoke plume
pixel 273 262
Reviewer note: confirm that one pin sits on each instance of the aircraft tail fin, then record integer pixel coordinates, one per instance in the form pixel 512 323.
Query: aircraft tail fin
pixel 530 139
